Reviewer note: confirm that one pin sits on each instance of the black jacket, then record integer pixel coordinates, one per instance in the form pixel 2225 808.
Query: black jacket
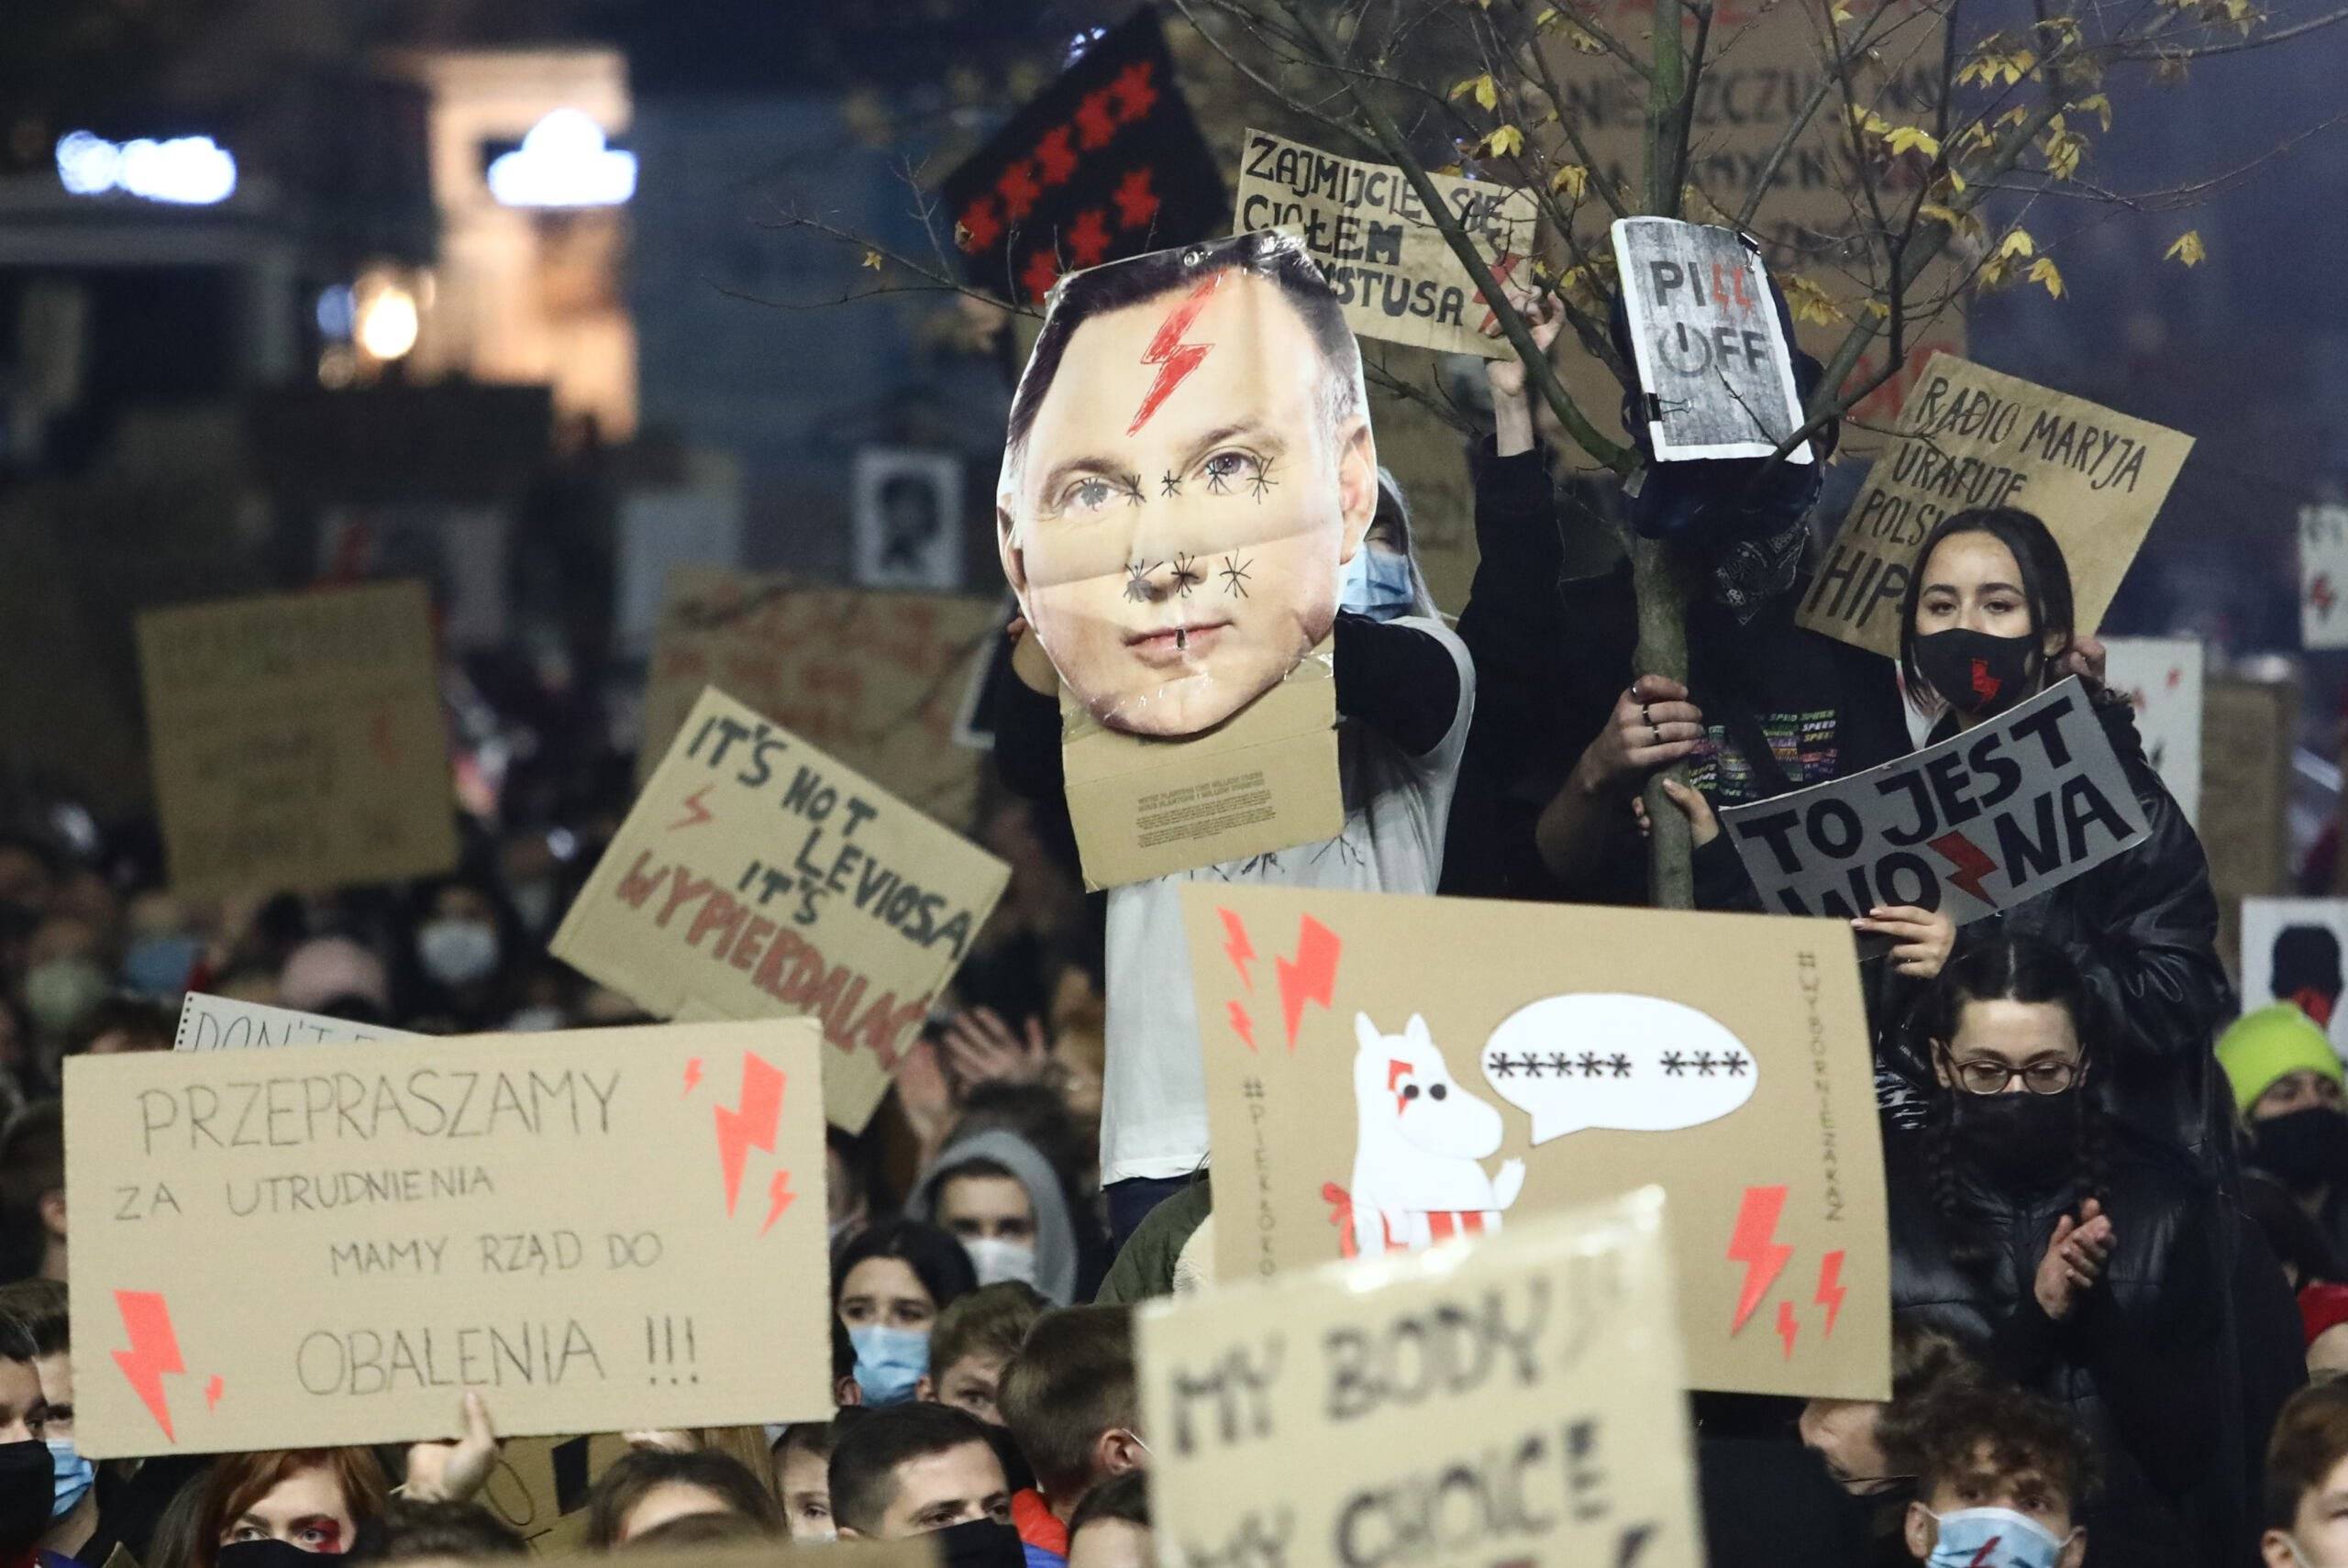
pixel 2143 1361
pixel 2142 928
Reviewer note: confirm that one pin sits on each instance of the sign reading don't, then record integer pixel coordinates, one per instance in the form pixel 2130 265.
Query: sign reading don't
pixel 596 1229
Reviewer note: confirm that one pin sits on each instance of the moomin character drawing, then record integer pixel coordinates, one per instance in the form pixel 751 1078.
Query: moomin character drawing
pixel 1418 1176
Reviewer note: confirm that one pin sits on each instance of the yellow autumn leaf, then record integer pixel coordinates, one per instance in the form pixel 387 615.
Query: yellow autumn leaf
pixel 2187 249
pixel 1547 18
pixel 1904 138
pixel 1572 181
pixel 2099 104
pixel 1878 310
pixel 1841 11
pixel 1809 302
pixel 2017 242
pixel 2063 149
pixel 872 259
pixel 2042 270
pixel 1505 141
pixel 1870 122
pixel 1940 214
pixel 1486 91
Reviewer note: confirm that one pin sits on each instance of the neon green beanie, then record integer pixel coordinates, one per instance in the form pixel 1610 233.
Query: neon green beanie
pixel 2263 1046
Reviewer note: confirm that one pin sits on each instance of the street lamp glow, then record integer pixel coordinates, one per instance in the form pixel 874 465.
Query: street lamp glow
pixel 188 170
pixel 563 162
pixel 387 323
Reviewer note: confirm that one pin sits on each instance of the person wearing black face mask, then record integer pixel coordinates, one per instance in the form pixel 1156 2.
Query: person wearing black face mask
pixel 927 1470
pixel 27 1486
pixel 1988 623
pixel 2293 1096
pixel 2068 1255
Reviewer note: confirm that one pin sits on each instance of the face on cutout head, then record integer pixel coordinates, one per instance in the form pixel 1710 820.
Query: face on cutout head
pixel 1177 519
pixel 306 1510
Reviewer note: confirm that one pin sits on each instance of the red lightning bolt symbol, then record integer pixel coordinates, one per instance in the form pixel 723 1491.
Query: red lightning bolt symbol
pixel 212 1391
pixel 1174 360
pixel 1788 1326
pixel 1241 1024
pixel 154 1351
pixel 778 1196
pixel 751 1127
pixel 1308 976
pixel 699 813
pixel 692 1074
pixel 1981 1558
pixel 2320 595
pixel 1830 1288
pixel 1752 1244
pixel 1235 944
pixel 1969 862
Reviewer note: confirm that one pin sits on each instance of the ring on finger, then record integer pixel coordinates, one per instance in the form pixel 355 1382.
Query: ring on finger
pixel 1656 730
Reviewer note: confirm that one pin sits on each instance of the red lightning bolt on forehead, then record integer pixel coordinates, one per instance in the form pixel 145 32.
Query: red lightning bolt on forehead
pixel 1174 360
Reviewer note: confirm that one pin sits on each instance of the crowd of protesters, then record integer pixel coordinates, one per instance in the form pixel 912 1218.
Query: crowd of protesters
pixel 2118 1204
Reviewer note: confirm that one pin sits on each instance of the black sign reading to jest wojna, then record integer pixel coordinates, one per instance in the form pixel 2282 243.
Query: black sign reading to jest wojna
pixel 1106 162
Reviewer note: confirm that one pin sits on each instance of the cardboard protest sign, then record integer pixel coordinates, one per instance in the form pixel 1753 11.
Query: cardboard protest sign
pixel 1104 163
pixel 1388 262
pixel 1265 779
pixel 871 678
pixel 297 740
pixel 2324 577
pixel 2162 675
pixel 1715 372
pixel 596 1228
pixel 223 1023
pixel 758 874
pixel 2246 730
pixel 2001 814
pixel 1972 437
pixel 2291 952
pixel 1516 1401
pixel 1763 66
pixel 1743 1084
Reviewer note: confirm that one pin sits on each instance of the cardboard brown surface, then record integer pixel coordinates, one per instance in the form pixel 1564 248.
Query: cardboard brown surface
pixel 1301 1420
pixel 756 874
pixel 2246 730
pixel 1761 62
pixel 872 677
pixel 1988 819
pixel 1380 252
pixel 1264 780
pixel 597 1229
pixel 1742 1084
pixel 224 1023
pixel 2324 577
pixel 1974 437
pixel 297 740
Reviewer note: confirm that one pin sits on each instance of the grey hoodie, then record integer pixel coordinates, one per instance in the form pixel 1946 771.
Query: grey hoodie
pixel 1056 1259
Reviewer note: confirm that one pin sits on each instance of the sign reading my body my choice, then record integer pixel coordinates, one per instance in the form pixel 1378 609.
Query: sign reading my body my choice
pixel 313 1246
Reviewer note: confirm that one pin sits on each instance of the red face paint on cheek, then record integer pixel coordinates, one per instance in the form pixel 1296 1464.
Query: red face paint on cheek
pixel 1174 360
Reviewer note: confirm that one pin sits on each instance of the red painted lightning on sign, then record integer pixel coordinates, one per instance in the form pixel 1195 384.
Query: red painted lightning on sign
pixel 1830 1287
pixel 698 813
pixel 1754 1244
pixel 1310 976
pixel 1174 360
pixel 154 1351
pixel 751 1127
pixel 1969 862
pixel 1241 1024
pixel 779 1196
pixel 1235 944
pixel 1788 1326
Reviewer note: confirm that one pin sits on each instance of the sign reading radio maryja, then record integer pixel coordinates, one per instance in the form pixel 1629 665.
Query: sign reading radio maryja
pixel 755 874
pixel 1977 823
pixel 1390 265
pixel 1972 437
pixel 1516 1402
pixel 595 1228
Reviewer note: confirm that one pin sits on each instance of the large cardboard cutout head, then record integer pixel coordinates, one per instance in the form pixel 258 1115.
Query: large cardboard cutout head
pixel 1189 465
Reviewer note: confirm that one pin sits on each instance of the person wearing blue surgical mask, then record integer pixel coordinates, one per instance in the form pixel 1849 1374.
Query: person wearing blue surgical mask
pixel 1382 580
pixel 39 1304
pixel 889 1284
pixel 2002 1475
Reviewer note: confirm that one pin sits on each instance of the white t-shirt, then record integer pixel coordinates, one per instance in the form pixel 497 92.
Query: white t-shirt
pixel 1154 1098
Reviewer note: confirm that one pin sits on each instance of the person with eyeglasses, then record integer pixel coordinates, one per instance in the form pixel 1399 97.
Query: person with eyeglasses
pixel 2068 1254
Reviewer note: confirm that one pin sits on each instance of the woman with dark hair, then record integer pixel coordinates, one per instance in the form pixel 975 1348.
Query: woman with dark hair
pixel 646 1488
pixel 1988 623
pixel 888 1287
pixel 2070 1255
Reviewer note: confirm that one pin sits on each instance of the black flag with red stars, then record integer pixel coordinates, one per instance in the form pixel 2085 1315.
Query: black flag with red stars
pixel 1106 162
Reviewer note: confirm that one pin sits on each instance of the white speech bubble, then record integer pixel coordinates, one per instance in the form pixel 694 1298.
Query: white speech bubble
pixel 1637 1064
